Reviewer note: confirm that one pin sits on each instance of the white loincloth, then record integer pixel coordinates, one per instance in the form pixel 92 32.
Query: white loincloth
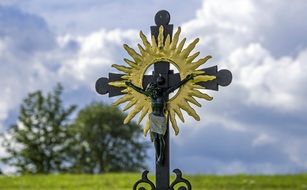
pixel 157 124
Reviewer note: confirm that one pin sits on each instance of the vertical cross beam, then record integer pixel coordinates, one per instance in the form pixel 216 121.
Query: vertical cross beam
pixel 163 68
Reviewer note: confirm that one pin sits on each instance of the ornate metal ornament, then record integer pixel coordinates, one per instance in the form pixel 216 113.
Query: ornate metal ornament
pixel 183 184
pixel 163 50
pixel 179 180
pixel 143 181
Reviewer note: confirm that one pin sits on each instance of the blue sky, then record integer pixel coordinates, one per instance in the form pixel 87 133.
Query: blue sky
pixel 256 125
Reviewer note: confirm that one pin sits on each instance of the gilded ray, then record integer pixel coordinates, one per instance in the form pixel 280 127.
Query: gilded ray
pixel 145 41
pixel 122 68
pixel 179 113
pixel 193 101
pixel 160 37
pixel 130 104
pixel 192 57
pixel 180 46
pixel 158 49
pixel 186 107
pixel 146 128
pixel 145 110
pixel 142 50
pixel 167 41
pixel 200 62
pixel 199 94
pixel 186 52
pixel 174 122
pixel 203 78
pixel 123 99
pixel 132 113
pixel 153 42
pixel 175 39
pixel 137 57
pixel 198 86
pixel 117 83
pixel 131 63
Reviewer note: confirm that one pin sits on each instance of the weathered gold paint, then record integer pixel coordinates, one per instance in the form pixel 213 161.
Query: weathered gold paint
pixel 174 53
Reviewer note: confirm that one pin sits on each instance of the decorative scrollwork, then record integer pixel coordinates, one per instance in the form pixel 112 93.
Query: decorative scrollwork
pixel 180 179
pixel 144 180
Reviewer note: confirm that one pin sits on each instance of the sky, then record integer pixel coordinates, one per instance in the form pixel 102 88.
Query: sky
pixel 256 125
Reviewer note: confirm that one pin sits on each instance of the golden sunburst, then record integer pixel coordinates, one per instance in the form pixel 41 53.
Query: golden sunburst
pixel 150 53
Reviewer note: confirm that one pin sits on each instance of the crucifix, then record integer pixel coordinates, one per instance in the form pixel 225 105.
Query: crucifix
pixel 149 94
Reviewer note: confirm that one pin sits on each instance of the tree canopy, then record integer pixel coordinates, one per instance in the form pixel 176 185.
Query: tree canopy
pixel 46 139
pixel 37 142
pixel 102 143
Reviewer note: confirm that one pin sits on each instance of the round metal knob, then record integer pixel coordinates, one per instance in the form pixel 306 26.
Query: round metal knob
pixel 162 18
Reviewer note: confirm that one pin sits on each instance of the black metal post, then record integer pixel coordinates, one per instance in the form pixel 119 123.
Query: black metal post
pixel 163 171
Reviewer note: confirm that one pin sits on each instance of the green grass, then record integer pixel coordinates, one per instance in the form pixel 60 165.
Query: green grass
pixel 125 181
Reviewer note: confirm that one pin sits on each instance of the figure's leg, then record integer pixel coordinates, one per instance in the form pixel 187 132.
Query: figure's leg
pixel 162 149
pixel 157 144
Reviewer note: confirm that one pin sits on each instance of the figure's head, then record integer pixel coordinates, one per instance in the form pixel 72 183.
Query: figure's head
pixel 160 80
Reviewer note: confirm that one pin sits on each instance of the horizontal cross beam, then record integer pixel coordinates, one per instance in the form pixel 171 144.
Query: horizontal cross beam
pixel 223 78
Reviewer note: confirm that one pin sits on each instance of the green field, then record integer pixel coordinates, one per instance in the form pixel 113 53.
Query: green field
pixel 125 182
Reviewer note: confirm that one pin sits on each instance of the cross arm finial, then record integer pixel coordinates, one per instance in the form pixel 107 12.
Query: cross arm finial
pixel 223 78
pixel 102 85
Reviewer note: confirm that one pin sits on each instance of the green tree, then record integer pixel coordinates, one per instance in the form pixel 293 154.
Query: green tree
pixel 102 143
pixel 38 142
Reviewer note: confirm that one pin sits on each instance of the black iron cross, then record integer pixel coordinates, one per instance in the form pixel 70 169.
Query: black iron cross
pixel 223 78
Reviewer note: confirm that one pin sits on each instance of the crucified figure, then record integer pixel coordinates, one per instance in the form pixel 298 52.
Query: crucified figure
pixel 158 121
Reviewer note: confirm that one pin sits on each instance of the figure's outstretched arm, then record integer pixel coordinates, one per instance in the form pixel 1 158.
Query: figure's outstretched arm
pixel 179 84
pixel 136 88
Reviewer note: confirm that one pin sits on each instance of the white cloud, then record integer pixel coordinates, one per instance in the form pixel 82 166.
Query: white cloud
pixel 95 55
pixel 263 139
pixel 231 31
pixel 84 17
pixel 269 82
pixel 23 38
pixel 74 60
pixel 263 81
